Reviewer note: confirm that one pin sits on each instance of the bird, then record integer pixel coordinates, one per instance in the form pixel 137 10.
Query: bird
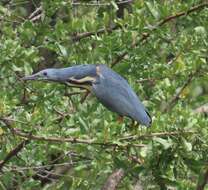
pixel 110 88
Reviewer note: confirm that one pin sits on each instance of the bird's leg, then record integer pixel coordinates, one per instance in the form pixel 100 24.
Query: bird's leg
pixel 120 119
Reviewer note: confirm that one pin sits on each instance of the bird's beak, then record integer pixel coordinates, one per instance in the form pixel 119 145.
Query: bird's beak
pixel 31 77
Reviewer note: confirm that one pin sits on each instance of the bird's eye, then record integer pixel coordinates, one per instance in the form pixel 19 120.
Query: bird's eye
pixel 45 74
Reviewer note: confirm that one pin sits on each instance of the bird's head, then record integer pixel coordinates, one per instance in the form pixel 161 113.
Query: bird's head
pixel 44 75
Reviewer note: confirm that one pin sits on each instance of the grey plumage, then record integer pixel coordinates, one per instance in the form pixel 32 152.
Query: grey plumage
pixel 119 97
pixel 111 89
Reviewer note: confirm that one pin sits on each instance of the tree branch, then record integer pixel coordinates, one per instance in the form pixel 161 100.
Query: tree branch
pixel 100 4
pixel 161 23
pixel 162 134
pixel 73 140
pixel 13 152
pixel 184 13
pixel 79 36
pixel 121 6
pixel 113 180
pixel 122 56
pixel 202 180
pixel 176 97
pixel 138 186
pixel 36 12
pixel 202 109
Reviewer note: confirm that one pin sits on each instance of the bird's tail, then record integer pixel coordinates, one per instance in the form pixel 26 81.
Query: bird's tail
pixel 150 118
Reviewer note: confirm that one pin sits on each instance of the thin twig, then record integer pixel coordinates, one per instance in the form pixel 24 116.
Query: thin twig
pixel 122 56
pixel 100 4
pixel 93 141
pixel 18 132
pixel 75 140
pixel 17 168
pixel 36 18
pixel 9 120
pixel 37 11
pixel 176 76
pixel 61 116
pixel 184 13
pixel 162 134
pixel 14 152
pixel 84 97
pixel 150 79
pixel 73 93
pixel 59 112
pixel 79 36
pixel 176 97
pixel 72 140
pixel 53 139
pixel 161 23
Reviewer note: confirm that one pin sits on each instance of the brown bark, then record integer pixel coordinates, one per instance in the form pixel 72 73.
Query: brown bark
pixel 113 180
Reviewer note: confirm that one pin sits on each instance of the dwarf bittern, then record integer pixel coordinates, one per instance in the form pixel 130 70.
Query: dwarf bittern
pixel 111 89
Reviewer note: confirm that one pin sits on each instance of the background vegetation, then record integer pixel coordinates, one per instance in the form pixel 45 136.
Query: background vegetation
pixel 50 140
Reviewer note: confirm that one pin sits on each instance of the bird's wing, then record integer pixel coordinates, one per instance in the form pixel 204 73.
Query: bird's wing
pixel 114 97
pixel 115 93
pixel 112 91
pixel 81 76
pixel 83 80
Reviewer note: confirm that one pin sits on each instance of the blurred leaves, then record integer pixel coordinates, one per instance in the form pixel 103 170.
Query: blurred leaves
pixel 156 68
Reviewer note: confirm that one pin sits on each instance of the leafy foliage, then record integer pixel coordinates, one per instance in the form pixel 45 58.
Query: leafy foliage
pixel 167 69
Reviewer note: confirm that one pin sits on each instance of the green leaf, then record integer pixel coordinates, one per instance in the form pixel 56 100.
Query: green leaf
pixel 63 50
pixel 152 10
pixel 165 142
pixel 200 30
pixel 187 145
pixel 115 6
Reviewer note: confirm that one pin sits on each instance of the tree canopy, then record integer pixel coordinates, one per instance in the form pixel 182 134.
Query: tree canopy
pixel 53 137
